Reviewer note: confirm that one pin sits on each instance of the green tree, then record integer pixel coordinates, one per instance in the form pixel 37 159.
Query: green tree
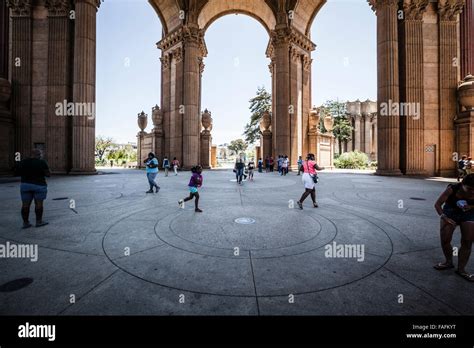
pixel 342 129
pixel 102 145
pixel 258 105
pixel 237 146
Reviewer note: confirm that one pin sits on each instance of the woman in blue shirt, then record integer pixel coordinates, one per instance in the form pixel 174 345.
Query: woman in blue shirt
pixel 152 171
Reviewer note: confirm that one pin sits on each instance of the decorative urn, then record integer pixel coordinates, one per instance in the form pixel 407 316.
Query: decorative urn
pixel 206 120
pixel 328 123
pixel 314 119
pixel 142 120
pixel 265 122
pixel 466 92
pixel 157 116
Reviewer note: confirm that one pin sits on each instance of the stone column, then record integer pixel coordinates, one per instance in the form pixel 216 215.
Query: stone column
pixel 157 132
pixel 350 142
pixel 6 122
pixel 367 138
pixel 21 25
pixel 192 37
pixel 6 129
pixel 295 111
pixel 83 127
pixel 165 100
pixel 281 118
pixel 388 85
pixel 412 88
pixel 306 107
pixel 448 12
pixel 467 39
pixel 59 60
pixel 357 132
pixel 4 38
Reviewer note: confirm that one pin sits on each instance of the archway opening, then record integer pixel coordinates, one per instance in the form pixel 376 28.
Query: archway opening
pixel 128 76
pixel 345 70
pixel 235 68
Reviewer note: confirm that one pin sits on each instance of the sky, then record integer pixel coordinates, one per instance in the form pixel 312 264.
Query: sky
pixel 128 65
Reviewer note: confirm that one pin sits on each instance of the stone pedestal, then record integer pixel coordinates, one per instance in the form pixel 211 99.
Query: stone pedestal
pixel 465 132
pixel 83 127
pixel 206 144
pixel 266 144
pixel 325 151
pixel 214 156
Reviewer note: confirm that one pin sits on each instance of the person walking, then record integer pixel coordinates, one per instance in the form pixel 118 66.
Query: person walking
pixel 33 172
pixel 175 165
pixel 260 165
pixel 166 165
pixel 239 170
pixel 300 164
pixel 194 184
pixel 152 171
pixel 270 162
pixel 455 206
pixel 284 165
pixel 310 178
pixel 462 167
pixel 251 168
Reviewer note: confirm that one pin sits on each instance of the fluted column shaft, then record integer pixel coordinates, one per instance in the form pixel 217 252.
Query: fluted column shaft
pixel 4 36
pixel 367 137
pixel 282 95
pixel 467 39
pixel 448 72
pixel 83 130
pixel 357 133
pixel 191 120
pixel 21 25
pixel 165 100
pixel 59 59
pixel 388 86
pixel 412 93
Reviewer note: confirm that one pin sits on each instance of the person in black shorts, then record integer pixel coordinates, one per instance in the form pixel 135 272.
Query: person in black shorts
pixel 456 207
pixel 33 186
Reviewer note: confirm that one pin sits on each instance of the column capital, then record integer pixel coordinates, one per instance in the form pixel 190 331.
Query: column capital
pixel 95 3
pixel 380 4
pixel 286 36
pixel 448 10
pixel 414 9
pixel 165 61
pixel 20 8
pixel 307 61
pixel 186 35
pixel 58 8
pixel 201 65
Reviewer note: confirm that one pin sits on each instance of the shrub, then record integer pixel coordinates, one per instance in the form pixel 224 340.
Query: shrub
pixel 352 160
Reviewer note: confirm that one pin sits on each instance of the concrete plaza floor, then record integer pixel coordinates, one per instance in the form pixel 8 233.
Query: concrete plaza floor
pixel 123 252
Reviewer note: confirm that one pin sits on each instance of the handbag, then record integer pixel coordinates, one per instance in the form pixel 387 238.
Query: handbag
pixel 314 177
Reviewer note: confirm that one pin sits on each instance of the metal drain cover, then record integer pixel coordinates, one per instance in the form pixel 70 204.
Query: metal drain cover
pixel 245 221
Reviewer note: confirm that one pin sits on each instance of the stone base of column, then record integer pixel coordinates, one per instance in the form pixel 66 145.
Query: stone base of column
pixel 82 172
pixel 388 172
pixel 448 173
pixel 420 173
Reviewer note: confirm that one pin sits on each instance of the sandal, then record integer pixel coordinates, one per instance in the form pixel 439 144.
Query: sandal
pixel 443 266
pixel 465 275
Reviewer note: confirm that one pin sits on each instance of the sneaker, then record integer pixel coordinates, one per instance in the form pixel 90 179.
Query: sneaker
pixel 149 191
pixel 41 223
pixel 197 210
pixel 300 205
pixel 180 202
pixel 158 189
pixel 315 205
pixel 26 225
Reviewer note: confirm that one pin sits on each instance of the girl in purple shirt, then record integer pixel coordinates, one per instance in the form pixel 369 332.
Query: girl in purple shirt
pixel 194 183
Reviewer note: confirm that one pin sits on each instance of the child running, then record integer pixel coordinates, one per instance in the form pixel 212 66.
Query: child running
pixel 194 184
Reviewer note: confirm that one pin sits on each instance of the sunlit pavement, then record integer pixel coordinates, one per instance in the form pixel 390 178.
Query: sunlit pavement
pixel 121 251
